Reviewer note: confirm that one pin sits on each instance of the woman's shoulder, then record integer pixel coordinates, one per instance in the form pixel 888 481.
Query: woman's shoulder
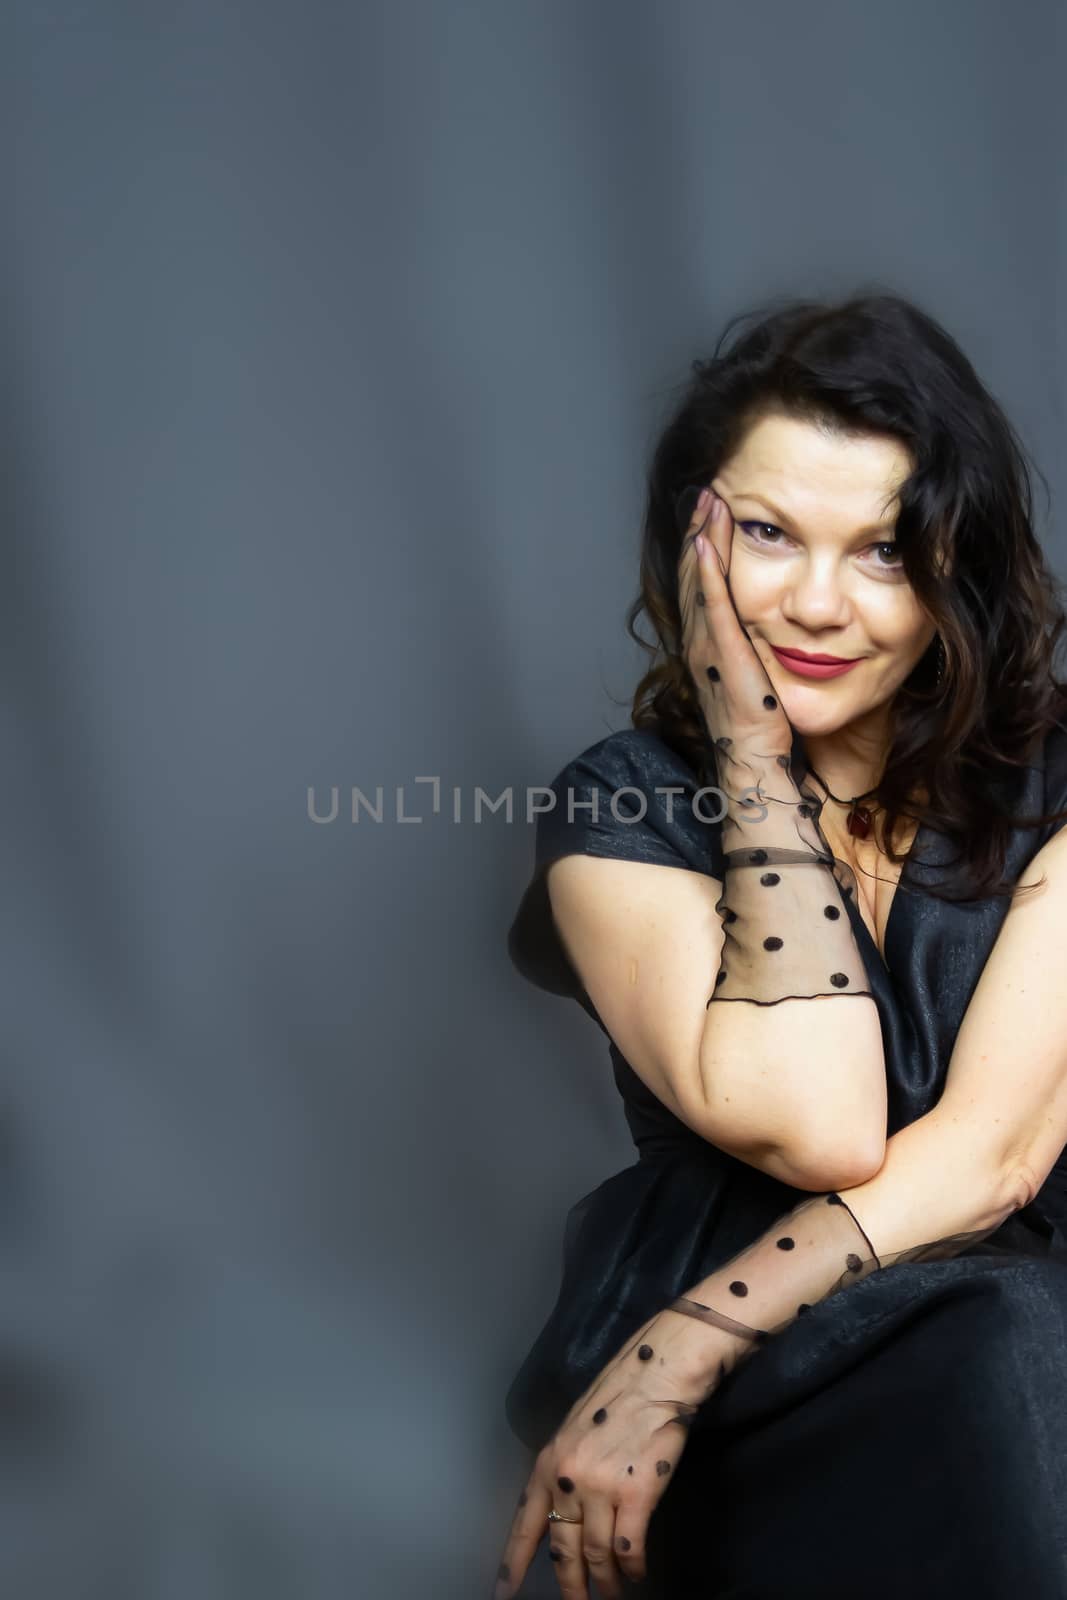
pixel 631 794
pixel 638 755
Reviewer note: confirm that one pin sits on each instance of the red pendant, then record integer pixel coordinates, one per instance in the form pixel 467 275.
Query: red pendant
pixel 859 822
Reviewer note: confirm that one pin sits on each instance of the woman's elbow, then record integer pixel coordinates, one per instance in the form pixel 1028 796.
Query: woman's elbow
pixel 831 1162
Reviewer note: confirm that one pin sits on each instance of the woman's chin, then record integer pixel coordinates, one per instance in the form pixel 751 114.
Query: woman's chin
pixel 809 712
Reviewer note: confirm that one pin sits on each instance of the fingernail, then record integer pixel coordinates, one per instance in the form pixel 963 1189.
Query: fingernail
pixel 699 542
pixel 705 496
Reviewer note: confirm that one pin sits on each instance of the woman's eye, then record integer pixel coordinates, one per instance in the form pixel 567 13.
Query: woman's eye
pixel 887 556
pixel 764 527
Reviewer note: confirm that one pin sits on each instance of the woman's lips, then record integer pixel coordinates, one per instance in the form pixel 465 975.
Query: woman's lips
pixel 814 669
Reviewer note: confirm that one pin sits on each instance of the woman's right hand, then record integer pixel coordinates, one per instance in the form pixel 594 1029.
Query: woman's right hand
pixel 740 707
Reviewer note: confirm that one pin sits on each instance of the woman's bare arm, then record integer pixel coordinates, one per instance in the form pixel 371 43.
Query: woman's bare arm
pixel 796 1089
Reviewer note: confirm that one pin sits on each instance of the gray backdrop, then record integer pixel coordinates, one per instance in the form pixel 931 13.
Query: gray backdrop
pixel 340 336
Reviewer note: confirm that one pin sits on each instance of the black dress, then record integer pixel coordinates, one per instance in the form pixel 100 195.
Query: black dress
pixel 910 1433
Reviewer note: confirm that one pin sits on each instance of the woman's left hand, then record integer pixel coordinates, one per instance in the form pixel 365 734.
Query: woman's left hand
pixel 611 1460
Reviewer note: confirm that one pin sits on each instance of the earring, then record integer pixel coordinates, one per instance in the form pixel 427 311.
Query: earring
pixel 940 659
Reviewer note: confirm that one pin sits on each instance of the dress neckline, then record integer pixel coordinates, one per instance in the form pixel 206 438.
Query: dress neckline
pixel 903 886
pixel 904 890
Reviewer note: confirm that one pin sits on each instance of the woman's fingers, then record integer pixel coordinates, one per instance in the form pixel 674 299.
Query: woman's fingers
pixel 613 1494
pixel 527 1531
pixel 720 613
pixel 649 1485
pixel 631 1532
pixel 723 651
pixel 721 531
pixel 688 560
pixel 568 1562
pixel 586 1551
pixel 567 1542
pixel 733 686
pixel 565 1539
pixel 735 655
pixel 598 1548
pixel 705 601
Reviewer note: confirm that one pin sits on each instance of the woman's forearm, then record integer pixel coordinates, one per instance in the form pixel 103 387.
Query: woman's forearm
pixel 937 1186
pixel 936 1181
pixel 797 1089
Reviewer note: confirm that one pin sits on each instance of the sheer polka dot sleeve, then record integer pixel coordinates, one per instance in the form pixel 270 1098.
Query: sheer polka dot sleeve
pixel 812 1252
pixel 786 931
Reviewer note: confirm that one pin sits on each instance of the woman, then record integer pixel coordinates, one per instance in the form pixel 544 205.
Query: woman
pixel 814 1343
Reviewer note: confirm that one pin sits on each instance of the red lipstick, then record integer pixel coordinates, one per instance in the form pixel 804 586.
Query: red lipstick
pixel 814 666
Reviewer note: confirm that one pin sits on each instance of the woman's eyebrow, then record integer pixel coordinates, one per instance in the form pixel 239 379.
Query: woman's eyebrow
pixel 783 516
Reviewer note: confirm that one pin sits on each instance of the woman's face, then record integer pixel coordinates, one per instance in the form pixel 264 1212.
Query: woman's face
pixel 813 569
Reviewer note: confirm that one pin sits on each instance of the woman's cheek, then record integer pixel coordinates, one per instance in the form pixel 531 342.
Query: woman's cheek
pixel 753 593
pixel 897 617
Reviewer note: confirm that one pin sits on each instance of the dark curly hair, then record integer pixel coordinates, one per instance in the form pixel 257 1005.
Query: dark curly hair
pixel 876 364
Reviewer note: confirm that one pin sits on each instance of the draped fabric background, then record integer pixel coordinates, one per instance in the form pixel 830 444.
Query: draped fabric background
pixel 339 334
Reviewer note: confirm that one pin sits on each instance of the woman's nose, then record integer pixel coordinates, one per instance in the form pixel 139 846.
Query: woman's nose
pixel 815 597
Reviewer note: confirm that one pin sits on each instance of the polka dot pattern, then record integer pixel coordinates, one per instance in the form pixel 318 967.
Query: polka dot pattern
pixel 828 1238
pixel 814 957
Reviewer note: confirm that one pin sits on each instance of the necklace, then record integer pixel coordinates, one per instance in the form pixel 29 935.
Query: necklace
pixel 858 821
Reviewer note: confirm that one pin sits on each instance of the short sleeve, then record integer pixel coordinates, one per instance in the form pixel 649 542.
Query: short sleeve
pixel 628 798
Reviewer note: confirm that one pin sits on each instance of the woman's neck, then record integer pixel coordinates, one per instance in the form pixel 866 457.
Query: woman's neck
pixel 851 760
